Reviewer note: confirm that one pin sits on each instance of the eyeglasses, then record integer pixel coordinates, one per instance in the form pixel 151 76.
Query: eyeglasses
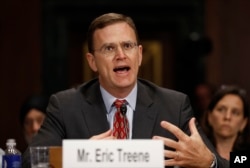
pixel 110 50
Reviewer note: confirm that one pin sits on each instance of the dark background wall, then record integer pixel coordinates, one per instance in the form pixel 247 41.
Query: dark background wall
pixel 41 46
pixel 20 62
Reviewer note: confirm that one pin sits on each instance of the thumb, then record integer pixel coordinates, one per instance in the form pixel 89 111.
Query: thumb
pixel 192 126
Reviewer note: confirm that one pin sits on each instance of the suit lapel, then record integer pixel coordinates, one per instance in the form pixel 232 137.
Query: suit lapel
pixel 144 118
pixel 95 112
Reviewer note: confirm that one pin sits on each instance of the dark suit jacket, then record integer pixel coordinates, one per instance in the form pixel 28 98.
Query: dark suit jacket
pixel 80 113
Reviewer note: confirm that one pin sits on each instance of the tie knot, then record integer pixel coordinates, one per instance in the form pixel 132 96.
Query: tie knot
pixel 118 103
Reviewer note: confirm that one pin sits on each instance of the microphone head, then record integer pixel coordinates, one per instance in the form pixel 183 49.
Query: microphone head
pixel 123 109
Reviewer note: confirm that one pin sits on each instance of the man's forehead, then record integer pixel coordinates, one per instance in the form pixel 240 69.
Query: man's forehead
pixel 114 33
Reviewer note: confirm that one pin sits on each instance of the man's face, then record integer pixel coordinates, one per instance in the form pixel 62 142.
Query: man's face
pixel 116 57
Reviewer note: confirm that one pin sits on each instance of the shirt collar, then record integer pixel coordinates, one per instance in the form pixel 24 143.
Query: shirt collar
pixel 109 99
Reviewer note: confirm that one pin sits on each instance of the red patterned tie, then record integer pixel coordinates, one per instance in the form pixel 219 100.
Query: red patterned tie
pixel 120 127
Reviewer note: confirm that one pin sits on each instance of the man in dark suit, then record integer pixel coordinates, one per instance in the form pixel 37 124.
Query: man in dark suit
pixel 87 112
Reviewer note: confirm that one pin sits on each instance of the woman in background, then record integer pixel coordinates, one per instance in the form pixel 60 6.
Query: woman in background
pixel 32 114
pixel 226 122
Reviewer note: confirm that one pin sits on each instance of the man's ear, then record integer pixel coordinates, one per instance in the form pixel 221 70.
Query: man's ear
pixel 140 54
pixel 91 61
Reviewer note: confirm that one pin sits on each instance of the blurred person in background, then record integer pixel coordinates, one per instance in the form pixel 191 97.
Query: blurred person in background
pixel 226 121
pixel 202 96
pixel 32 115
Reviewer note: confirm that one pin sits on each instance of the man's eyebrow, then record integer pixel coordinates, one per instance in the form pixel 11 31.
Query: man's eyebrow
pixel 106 44
pixel 112 43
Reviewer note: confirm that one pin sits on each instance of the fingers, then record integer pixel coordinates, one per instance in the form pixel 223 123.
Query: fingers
pixel 174 130
pixel 167 142
pixel 192 126
pixel 177 131
pixel 174 158
pixel 105 135
pixel 187 150
pixel 171 154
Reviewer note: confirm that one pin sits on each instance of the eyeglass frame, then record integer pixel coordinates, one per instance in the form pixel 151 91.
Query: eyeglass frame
pixel 108 53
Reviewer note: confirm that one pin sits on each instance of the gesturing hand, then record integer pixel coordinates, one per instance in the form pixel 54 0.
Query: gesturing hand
pixel 190 151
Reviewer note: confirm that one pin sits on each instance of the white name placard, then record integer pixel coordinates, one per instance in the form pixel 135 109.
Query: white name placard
pixel 113 153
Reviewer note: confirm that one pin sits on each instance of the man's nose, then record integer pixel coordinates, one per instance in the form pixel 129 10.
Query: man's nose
pixel 120 52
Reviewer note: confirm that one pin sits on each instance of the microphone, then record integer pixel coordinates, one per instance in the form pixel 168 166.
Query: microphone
pixel 123 109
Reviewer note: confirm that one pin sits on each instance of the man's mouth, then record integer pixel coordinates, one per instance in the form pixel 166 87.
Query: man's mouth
pixel 121 69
